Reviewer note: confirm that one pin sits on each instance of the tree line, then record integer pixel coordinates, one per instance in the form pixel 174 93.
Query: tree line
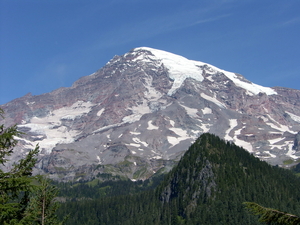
pixel 215 182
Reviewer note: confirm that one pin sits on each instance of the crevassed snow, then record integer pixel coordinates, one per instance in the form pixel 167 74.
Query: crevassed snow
pixel 51 126
pixel 152 94
pixel 253 89
pixel 181 68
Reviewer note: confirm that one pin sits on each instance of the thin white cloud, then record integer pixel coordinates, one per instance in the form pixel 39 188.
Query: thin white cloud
pixel 157 25
pixel 290 22
pixel 212 19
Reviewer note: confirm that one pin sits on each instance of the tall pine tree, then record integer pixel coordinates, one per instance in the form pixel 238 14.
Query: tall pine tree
pixel 24 199
pixel 15 184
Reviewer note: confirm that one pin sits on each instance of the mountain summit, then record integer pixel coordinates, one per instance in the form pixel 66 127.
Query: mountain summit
pixel 141 112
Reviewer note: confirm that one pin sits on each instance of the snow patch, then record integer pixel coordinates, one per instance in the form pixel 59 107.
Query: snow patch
pixel 232 124
pixel 151 126
pixel 152 94
pixel 291 152
pixel 51 126
pixel 138 112
pixel 98 157
pixel 107 127
pixel 172 122
pixel 209 78
pixel 272 155
pixel 135 145
pixel 275 125
pixel 206 111
pixel 190 111
pixel 214 100
pixel 294 117
pixel 180 68
pixel 156 157
pixel 137 140
pixel 250 87
pixel 205 127
pixel 276 140
pixel 99 113
pixel 176 140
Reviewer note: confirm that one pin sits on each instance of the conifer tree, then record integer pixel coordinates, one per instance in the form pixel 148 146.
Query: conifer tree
pixel 24 199
pixel 16 184
pixel 272 216
pixel 42 207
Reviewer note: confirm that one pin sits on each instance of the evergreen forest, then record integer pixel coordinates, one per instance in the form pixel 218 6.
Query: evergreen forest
pixel 215 182
pixel 209 185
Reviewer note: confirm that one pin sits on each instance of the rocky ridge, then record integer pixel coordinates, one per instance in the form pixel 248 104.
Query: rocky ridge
pixel 141 111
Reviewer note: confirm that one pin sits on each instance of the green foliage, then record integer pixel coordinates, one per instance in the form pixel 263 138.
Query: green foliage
pixel 20 196
pixel 16 184
pixel 208 186
pixel 7 141
pixel 95 189
pixel 42 206
pixel 272 216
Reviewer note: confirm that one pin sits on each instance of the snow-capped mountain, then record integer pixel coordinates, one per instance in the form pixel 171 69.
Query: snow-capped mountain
pixel 142 110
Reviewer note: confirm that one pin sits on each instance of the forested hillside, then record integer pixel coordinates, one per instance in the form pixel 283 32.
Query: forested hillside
pixel 208 186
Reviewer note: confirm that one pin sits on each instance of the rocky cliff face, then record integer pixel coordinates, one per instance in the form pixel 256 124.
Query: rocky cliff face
pixel 142 110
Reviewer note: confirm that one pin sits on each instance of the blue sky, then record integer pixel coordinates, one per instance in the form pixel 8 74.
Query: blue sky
pixel 47 44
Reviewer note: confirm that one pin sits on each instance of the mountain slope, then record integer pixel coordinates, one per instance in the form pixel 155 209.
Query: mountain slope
pixel 142 110
pixel 208 186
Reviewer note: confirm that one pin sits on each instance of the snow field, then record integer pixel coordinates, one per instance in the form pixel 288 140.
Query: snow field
pixel 51 125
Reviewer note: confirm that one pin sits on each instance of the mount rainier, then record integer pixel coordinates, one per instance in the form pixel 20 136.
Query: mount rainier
pixel 141 111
